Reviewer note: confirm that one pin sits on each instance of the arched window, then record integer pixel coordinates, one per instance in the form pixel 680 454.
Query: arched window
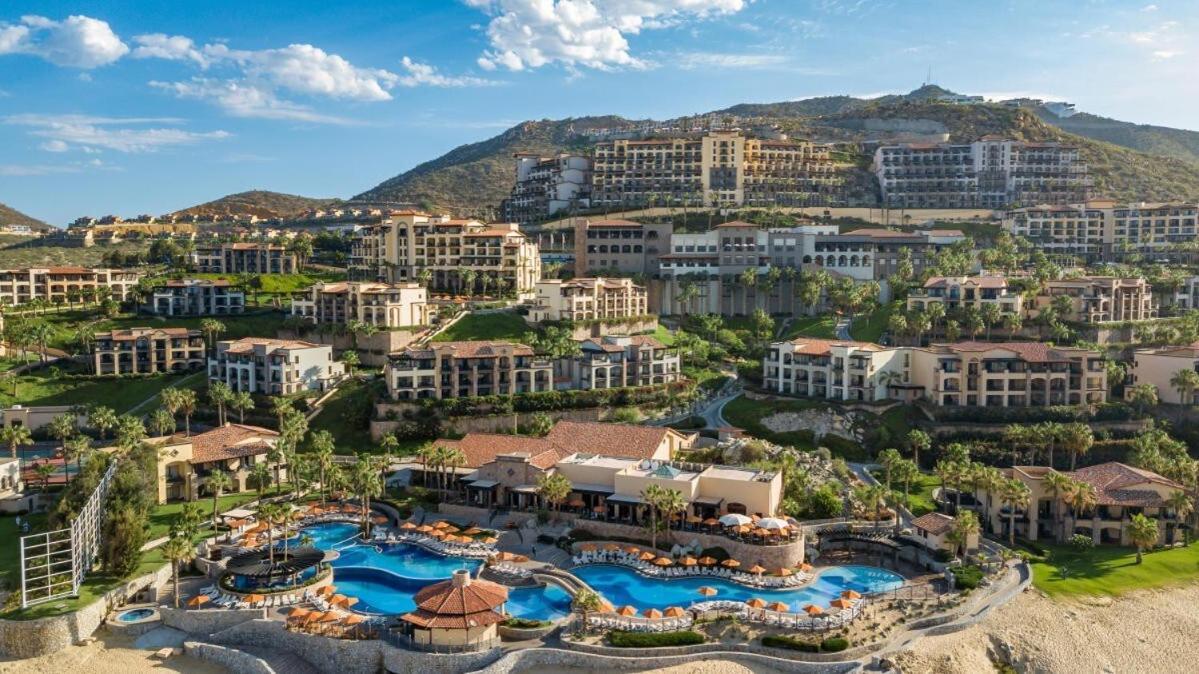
pixel 807 259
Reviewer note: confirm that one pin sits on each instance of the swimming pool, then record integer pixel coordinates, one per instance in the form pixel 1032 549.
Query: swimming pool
pixel 385 578
pixel 622 585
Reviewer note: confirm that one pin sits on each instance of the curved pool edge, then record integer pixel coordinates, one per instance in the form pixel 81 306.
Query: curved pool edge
pixel 815 577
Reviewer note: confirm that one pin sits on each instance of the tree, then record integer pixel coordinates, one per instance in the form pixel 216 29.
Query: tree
pixel 62 427
pixel 991 315
pixel 178 550
pixel 103 419
pixel 906 471
pixel 671 504
pixel 280 406
pixel 162 421
pixel 1182 505
pixel 553 489
pixel 14 436
pixel 1185 381
pixel 44 471
pixel 220 395
pixel 1015 438
pixel 1083 499
pixel 76 447
pixel 1016 494
pixel 260 477
pixel 212 328
pixel 217 482
pixel 1076 438
pixel 364 480
pixel 541 424
pixel 1143 533
pixel 130 432
pixel 187 405
pixel 965 527
pixel 1060 487
pixel 889 459
pixel 918 441
pixel 322 450
pixel 872 497
pixel 271 513
pixel 1142 397
pixel 761 328
pixel 651 496
pixel 350 358
pixel 188 521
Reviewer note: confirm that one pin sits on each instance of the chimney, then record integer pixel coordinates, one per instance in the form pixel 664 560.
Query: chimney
pixel 461 578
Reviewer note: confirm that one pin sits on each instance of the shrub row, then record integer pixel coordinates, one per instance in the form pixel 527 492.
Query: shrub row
pixel 622 639
pixel 549 401
pixel 829 645
pixel 1111 411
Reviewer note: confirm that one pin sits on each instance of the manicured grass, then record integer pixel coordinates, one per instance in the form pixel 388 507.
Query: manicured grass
pixel 504 325
pixel 870 327
pixel 277 285
pixel 920 493
pixel 347 416
pixel 1112 571
pixel 747 414
pixel 707 379
pixel 820 327
pixel 662 334
pixel 898 422
pixel 165 513
pixel 121 394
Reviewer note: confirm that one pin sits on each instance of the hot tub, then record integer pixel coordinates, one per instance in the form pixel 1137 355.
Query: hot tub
pixel 135 620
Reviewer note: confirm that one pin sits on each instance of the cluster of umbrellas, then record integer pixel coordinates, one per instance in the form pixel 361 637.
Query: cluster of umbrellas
pixel 308 618
pixel 655 559
pixel 510 557
pixel 448 533
pixel 757 527
pixel 652 613
pixel 846 600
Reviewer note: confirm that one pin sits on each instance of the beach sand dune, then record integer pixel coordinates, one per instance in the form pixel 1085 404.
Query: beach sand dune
pixel 109 654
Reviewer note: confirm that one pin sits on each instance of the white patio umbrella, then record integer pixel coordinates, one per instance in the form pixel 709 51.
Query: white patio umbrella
pixel 772 523
pixel 735 520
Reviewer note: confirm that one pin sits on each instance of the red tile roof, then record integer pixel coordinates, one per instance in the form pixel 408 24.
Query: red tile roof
pixel 1117 484
pixel 455 605
pixel 979 281
pixel 626 441
pixel 934 523
pixel 230 441
pixel 482 448
pixel 1033 352
pixel 809 346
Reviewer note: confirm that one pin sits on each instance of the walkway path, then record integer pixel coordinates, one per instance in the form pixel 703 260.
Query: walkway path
pixel 842 329
pixel 283 662
pixel 181 383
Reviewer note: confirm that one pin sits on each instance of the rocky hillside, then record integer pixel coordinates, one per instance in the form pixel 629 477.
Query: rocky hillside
pixel 260 203
pixel 1159 140
pixel 11 216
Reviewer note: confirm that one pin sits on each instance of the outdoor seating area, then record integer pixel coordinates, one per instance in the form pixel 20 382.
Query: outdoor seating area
pixel 650 563
pixel 335 623
pixel 445 538
pixel 811 618
pixel 650 620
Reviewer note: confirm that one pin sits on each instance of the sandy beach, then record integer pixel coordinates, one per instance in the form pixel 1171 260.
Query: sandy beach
pixel 109 654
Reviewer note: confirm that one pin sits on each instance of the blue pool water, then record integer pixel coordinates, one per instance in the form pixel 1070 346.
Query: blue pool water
pixel 135 615
pixel 384 579
pixel 621 585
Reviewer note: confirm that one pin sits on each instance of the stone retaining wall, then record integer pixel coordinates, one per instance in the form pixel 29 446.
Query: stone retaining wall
pixel 639 660
pixel 490 423
pixel 518 634
pixel 229 658
pixel 769 556
pixel 400 661
pixel 33 638
pixel 749 648
pixel 208 621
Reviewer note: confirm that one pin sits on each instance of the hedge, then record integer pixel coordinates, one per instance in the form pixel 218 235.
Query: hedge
pixel 549 401
pixel 1111 411
pixel 829 645
pixel 622 639
pixel 966 577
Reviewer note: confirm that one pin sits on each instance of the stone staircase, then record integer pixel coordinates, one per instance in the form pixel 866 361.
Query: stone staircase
pixel 283 662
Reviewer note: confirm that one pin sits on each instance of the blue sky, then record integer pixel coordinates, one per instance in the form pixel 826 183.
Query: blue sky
pixel 145 107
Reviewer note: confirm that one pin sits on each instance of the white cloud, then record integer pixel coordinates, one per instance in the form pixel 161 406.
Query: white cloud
pixel 35 169
pixel 75 42
pixel 1166 54
pixel 244 99
pixel 63 132
pixel 169 47
pixel 588 33
pixel 696 60
pixel 1149 8
pixel 305 69
pixel 424 74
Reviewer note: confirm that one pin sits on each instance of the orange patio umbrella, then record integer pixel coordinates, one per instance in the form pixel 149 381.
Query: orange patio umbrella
pixel 674 612
pixel 254 598
pixel 327 590
pixel 779 607
pixel 707 561
pixel 730 563
pixel 841 603
pixel 519 558
pixel 441 524
pixel 451 529
pixel 783 571
pixel 354 620
pixel 663 561
pixel 612 547
pixel 632 550
pixel 711 522
pixel 438 533
pixel 707 591
pixel 652 613
pixel 491 540
pixel 756 569
pixel 329 617
pixel 424 528
pixel 474 531
pixel 688 561
pixel 629 610
pixel 588 547
pixel 647 556
pixel 298 613
pixel 805 567
pixel 577 503
pixel 694 519
pixel 756 603
pixel 812 609
pixel 505 556
pixel 337 600
pixel 198 600
pixel 408 526
pixel 379 519
pixel 850 594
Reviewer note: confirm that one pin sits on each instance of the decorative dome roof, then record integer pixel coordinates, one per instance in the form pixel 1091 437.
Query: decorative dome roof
pixel 461 602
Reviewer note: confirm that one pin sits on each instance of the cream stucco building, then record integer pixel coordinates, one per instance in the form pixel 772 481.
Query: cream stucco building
pixel 1100 299
pixel 274 366
pixel 586 299
pixel 185 463
pixel 1157 366
pixel 383 305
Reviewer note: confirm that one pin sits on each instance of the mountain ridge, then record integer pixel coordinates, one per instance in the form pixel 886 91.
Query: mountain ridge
pixel 11 216
pixel 262 203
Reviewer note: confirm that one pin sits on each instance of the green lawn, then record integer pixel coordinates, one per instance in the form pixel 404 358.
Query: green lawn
pixel 66 322
pixel 122 395
pixel 870 327
pixel 503 325
pixel 820 327
pixel 662 334
pixel 747 414
pixel 920 492
pixel 347 416
pixel 164 514
pixel 277 286
pixel 1111 570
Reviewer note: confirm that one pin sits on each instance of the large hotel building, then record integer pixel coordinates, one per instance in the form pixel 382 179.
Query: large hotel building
pixel 1099 227
pixel 400 247
pixel 992 173
pixel 64 284
pixel 721 167
pixel 969 374
pixel 382 305
pixel 245 258
pixel 548 185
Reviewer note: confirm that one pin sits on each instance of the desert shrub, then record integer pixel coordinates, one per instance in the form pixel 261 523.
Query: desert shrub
pixel 967 577
pixel 834 644
pixel 622 639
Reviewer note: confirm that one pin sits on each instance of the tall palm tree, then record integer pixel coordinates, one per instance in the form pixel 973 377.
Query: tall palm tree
pixel 965 527
pixel 217 482
pixel 672 503
pixel 872 497
pixel 1077 439
pixel 260 476
pixel 178 550
pixel 1185 381
pixel 270 513
pixel 14 436
pixel 366 484
pixel 918 441
pixel 1182 505
pixel 280 406
pixel 1143 532
pixel 1060 487
pixel 322 451
pixel 103 419
pixel 651 496
pixel 187 405
pixel 1016 495
pixel 242 401
pixel 889 459
pixel 76 448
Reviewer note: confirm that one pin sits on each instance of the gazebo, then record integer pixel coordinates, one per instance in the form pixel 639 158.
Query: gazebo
pixel 459 614
pixel 257 570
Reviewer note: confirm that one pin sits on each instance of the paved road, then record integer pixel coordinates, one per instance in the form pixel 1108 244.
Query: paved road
pixel 843 329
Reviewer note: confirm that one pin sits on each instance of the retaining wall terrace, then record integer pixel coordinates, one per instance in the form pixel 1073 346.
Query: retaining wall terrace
pixel 769 556
pixel 639 660
pixel 229 658
pixel 207 621
pixel 32 638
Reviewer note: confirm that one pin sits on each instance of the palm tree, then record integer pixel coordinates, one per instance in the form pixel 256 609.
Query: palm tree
pixel 217 482
pixel 872 497
pixel 15 436
pixel 950 472
pixel 586 601
pixel 103 419
pixel 651 496
pixel 1077 439
pixel 991 314
pixel 187 405
pixel 553 489
pixel 1143 533
pixel 350 358
pixel 220 395
pixel 426 454
pixel 1060 487
pixel 965 527
pixel 280 406
pixel 366 484
pixel 918 441
pixel 672 503
pixel 178 550
pixel 889 459
pixel 1185 382
pixel 1016 495
pixel 242 401
pixel 1015 436
pixel 76 447
pixel 162 421
pixel 212 328
pixel 1183 506
pixel 322 450
pixel 1083 500
pixel 276 455
pixel 260 477
pixel 44 471
pixel 271 513
pixel 905 472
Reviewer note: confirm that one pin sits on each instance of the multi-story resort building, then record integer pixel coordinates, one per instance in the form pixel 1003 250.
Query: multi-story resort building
pixel 1100 227
pixel 1121 491
pixel 188 462
pixel 970 374
pixel 719 167
pixel 406 244
pixel 196 297
pixel 274 366
pixel 1158 366
pixel 147 351
pixel 714 261
pixel 1100 299
pixel 992 172
pixel 1187 296
pixel 586 299
pixel 959 292
pixel 383 305
pixel 617 361
pixel 62 285
pixel 467 369
pixel 546 186
pixel 245 258
pixel 619 246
